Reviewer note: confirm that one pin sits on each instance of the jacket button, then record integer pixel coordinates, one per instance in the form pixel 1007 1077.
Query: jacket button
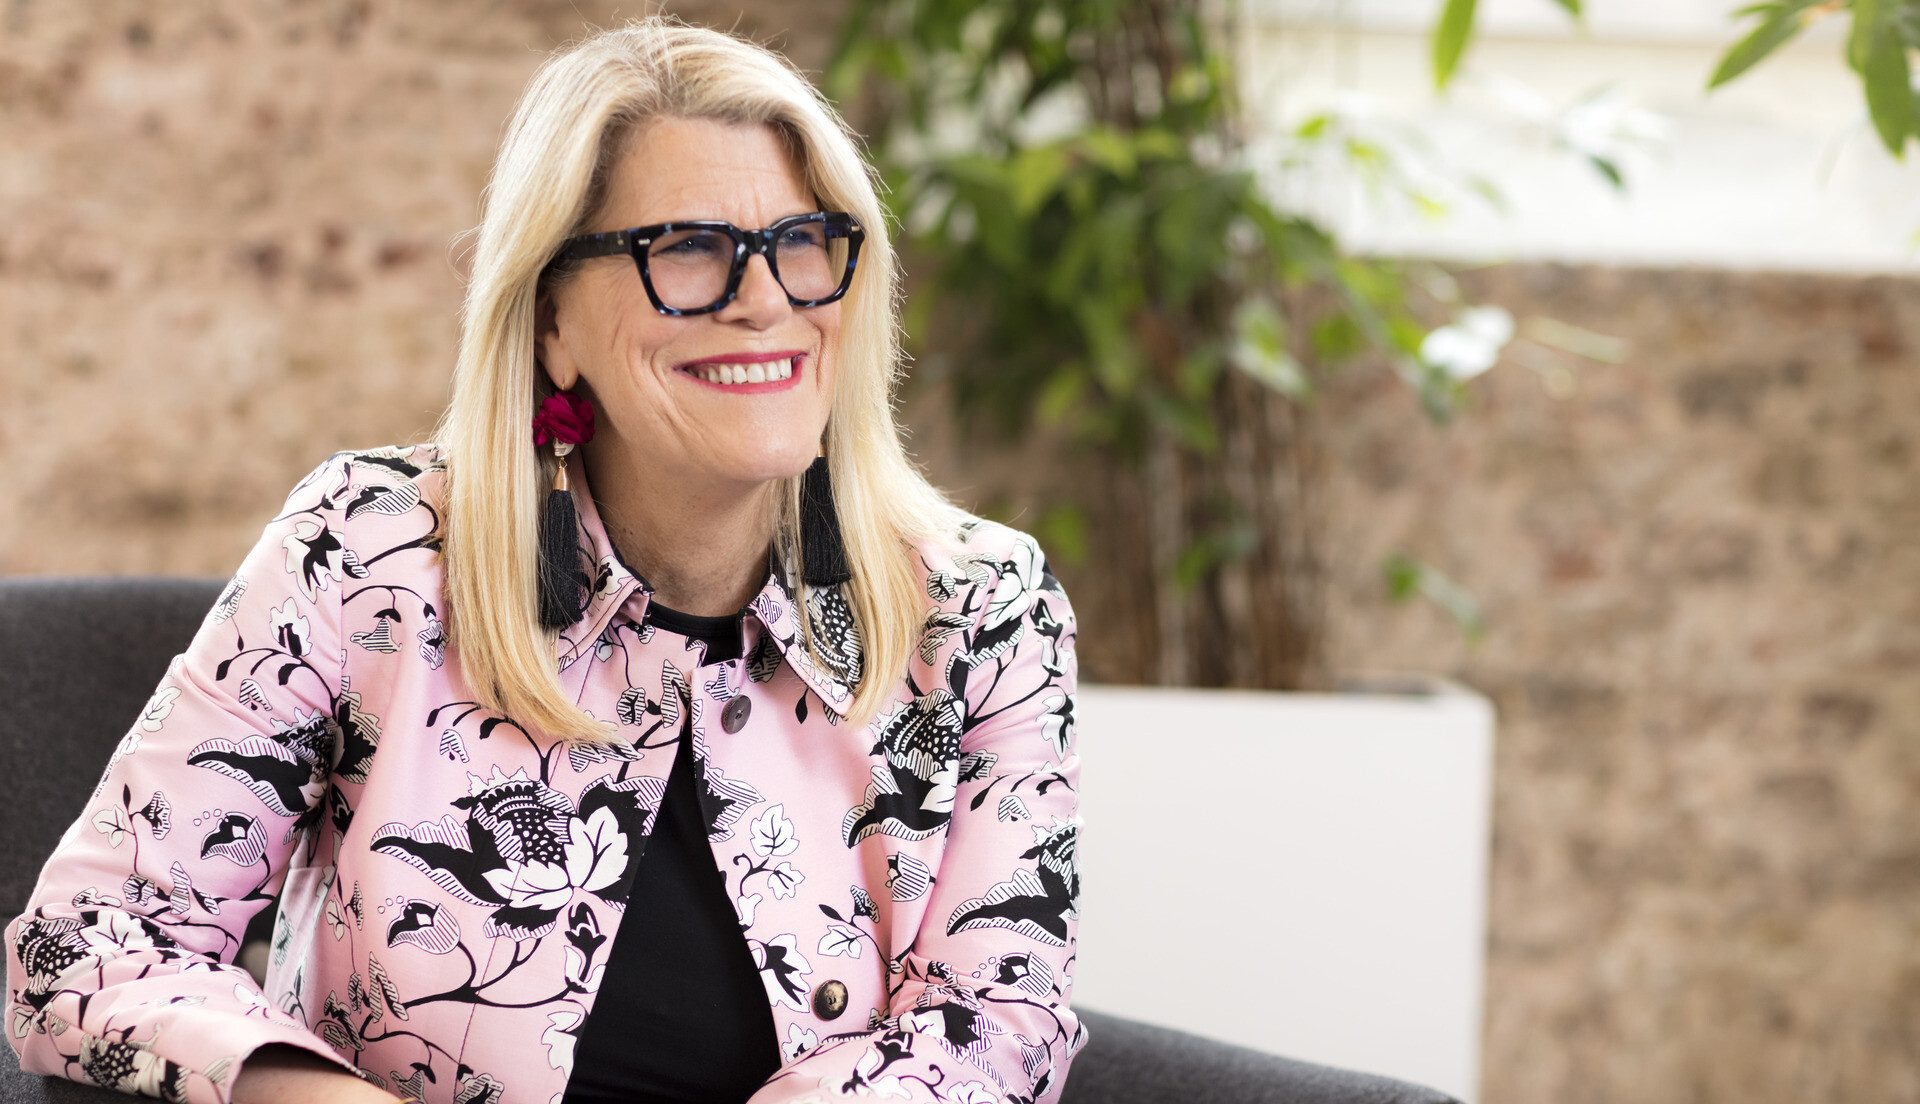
pixel 733 718
pixel 829 1000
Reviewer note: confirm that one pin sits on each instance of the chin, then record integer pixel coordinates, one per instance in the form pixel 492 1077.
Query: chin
pixel 766 469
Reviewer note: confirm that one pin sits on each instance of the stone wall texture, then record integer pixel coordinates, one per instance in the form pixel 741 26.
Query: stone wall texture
pixel 228 247
pixel 1701 575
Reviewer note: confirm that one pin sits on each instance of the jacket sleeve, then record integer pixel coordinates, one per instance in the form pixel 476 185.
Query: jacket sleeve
pixel 978 1008
pixel 121 972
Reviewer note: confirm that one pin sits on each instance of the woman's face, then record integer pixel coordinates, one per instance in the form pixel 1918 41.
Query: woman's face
pixel 646 372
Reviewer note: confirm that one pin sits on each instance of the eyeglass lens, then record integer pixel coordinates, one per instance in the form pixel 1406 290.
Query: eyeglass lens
pixel 689 269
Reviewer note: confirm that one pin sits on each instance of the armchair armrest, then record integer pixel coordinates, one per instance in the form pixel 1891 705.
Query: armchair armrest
pixel 1127 1062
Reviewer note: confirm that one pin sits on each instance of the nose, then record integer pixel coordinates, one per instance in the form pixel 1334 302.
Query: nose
pixel 761 302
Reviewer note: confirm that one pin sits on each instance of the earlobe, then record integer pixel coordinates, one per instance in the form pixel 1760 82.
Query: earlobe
pixel 550 346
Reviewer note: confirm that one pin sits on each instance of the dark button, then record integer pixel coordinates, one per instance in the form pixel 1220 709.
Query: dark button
pixel 734 717
pixel 829 1000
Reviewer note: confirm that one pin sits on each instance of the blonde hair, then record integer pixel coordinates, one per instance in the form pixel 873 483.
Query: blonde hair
pixel 553 170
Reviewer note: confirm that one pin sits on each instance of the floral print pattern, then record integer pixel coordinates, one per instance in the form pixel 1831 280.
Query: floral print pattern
pixel 450 883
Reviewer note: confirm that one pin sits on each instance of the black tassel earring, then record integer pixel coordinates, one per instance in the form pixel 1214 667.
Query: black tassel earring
pixel 820 543
pixel 566 421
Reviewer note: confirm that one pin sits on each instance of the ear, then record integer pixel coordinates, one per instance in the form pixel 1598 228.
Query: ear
pixel 550 344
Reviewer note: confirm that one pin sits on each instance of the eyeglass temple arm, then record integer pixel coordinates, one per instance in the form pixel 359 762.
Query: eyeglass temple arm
pixel 597 245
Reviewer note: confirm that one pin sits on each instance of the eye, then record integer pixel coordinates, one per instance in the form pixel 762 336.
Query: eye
pixel 693 245
pixel 811 235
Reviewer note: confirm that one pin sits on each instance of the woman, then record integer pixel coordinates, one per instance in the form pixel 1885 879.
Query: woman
pixel 754 781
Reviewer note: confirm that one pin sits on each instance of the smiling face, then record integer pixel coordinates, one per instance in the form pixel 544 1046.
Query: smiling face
pixel 722 402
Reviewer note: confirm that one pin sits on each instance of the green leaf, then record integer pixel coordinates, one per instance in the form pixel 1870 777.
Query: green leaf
pixel 1065 533
pixel 1234 538
pixel 1490 192
pixel 1107 148
pixel 1158 143
pixel 1192 566
pixel 1337 338
pixel 1115 360
pixel 1888 79
pixel 1606 167
pixel 1191 423
pixel 1573 8
pixel 1407 578
pixel 1450 39
pixel 1403 576
pixel 1783 23
pixel 1035 176
pixel 1062 394
pixel 1180 236
pixel 1260 348
pixel 1070 265
pixel 1866 27
pixel 1405 334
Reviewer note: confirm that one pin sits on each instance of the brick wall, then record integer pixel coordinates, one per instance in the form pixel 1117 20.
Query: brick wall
pixel 1701 579
pixel 228 248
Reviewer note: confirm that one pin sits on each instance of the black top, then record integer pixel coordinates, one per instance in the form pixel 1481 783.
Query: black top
pixel 682 1017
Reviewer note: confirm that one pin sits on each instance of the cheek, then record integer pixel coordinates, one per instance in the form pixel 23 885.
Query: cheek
pixel 622 367
pixel 832 353
pixel 636 340
pixel 615 332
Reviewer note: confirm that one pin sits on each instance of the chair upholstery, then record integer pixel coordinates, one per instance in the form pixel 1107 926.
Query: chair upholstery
pixel 1128 1062
pixel 80 657
pixel 78 660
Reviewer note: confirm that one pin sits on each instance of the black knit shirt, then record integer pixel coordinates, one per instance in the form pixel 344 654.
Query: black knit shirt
pixel 682 1016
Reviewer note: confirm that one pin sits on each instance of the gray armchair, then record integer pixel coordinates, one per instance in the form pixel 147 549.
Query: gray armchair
pixel 79 657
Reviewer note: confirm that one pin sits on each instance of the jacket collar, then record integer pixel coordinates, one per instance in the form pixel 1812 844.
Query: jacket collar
pixel 616 587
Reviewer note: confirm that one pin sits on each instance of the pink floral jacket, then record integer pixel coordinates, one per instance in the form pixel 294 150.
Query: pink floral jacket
pixel 450 883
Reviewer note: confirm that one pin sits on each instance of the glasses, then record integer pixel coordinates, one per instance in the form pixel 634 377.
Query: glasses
pixel 695 267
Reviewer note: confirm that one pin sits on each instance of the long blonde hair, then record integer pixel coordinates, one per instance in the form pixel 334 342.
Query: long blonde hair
pixel 552 173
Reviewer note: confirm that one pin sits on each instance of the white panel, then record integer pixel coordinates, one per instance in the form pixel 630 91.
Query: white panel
pixel 1778 170
pixel 1643 20
pixel 1304 874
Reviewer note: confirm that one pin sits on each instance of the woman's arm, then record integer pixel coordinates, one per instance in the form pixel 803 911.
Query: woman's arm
pixel 978 1013
pixel 122 970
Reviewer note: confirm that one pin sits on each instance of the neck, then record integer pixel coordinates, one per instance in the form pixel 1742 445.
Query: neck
pixel 702 547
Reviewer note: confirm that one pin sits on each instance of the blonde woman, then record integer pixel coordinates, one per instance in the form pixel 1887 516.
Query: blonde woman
pixel 658 734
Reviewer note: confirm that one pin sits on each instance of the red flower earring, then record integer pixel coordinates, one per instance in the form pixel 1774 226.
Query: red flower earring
pixel 567 421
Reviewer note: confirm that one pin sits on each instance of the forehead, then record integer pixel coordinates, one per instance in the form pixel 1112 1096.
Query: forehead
pixel 675 169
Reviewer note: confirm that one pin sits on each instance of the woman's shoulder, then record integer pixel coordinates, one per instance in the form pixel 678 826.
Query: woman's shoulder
pixel 389 481
pixel 973 552
pixel 966 538
pixel 359 488
pixel 359 508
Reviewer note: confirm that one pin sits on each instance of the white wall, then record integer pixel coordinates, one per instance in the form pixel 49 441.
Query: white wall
pixel 1777 170
pixel 1305 874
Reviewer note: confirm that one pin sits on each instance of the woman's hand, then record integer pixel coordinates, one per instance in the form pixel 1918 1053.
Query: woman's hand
pixel 278 1074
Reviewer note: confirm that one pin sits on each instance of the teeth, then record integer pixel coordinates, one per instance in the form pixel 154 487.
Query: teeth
pixel 764 372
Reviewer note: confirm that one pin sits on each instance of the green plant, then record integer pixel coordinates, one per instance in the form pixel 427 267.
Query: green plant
pixel 1102 265
pixel 1879 45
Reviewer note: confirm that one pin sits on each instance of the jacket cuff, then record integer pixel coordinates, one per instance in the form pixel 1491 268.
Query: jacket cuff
pixel 190 1052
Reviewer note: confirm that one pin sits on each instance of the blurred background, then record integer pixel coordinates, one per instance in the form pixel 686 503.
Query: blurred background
pixel 1573 382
